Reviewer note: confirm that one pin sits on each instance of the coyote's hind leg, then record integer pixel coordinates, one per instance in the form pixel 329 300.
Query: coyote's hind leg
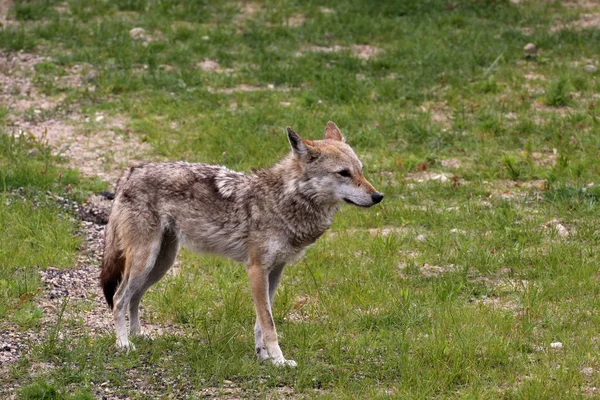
pixel 169 247
pixel 140 258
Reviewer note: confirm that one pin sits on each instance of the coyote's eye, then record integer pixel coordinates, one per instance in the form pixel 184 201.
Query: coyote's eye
pixel 345 173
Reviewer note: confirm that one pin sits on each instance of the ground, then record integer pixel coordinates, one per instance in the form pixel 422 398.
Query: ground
pixel 476 277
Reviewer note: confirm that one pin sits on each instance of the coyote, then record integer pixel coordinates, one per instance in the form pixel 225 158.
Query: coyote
pixel 264 219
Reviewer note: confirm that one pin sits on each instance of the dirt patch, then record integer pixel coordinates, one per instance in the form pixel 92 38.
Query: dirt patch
pixel 383 231
pixel 244 87
pixel 544 159
pixel 514 190
pixel 585 21
pixel 496 303
pixel 452 163
pixel 4 8
pixel 426 176
pixel 388 230
pixel 533 76
pixel 296 20
pixel 104 152
pixel 15 78
pixel 586 4
pixel 558 228
pixel 439 112
pixel 429 270
pixel 144 37
pixel 247 11
pixel 212 66
pixel 361 51
pixel 542 108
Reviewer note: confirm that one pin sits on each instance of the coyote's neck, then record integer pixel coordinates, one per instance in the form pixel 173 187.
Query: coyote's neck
pixel 297 202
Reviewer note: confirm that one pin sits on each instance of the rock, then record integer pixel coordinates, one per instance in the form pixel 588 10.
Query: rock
pixel 530 50
pixel 590 68
pixel 421 238
pixel 556 345
pixel 108 195
pixel 138 33
pixel 561 230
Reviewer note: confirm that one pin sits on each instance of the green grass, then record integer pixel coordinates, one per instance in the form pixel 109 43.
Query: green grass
pixel 467 310
pixel 35 232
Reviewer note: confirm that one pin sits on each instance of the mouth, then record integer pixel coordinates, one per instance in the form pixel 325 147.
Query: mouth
pixel 356 204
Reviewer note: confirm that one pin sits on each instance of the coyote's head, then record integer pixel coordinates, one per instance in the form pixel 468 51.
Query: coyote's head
pixel 330 171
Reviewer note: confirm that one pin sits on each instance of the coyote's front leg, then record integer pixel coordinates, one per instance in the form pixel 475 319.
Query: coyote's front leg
pixel 274 278
pixel 259 282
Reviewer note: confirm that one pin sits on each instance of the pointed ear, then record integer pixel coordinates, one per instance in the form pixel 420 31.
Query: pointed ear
pixel 300 147
pixel 332 132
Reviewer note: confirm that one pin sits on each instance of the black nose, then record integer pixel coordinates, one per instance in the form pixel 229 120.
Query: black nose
pixel 377 197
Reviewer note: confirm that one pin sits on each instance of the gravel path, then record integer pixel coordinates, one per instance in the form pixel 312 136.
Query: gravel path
pixel 77 290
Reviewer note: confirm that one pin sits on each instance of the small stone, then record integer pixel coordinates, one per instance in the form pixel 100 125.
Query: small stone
pixel 99 118
pixel 561 230
pixel 421 238
pixel 556 345
pixel 108 195
pixel 138 33
pixel 590 68
pixel 530 50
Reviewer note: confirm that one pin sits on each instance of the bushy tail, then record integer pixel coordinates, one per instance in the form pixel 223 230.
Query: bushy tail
pixel 113 264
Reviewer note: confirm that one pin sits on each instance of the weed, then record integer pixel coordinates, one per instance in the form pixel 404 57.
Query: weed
pixel 558 92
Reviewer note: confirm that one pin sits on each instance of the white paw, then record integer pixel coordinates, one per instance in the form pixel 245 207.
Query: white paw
pixel 284 363
pixel 125 344
pixel 140 333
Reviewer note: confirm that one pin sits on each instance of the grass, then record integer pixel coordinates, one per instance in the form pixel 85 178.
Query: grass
pixel 35 231
pixel 472 282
